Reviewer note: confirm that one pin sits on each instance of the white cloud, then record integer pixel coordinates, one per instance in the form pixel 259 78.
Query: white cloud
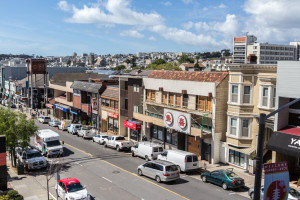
pixel 205 9
pixel 188 25
pixel 167 3
pixel 187 1
pixel 63 5
pixel 221 6
pixel 152 38
pixel 132 33
pixel 273 20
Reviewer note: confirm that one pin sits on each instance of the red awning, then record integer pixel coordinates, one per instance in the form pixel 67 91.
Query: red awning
pixel 49 105
pixel 132 125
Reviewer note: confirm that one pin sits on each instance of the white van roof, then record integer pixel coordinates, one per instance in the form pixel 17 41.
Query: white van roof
pixel 181 152
pixel 150 144
pixel 47 133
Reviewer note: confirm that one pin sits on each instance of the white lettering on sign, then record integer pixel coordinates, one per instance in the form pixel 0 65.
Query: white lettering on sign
pixel 295 141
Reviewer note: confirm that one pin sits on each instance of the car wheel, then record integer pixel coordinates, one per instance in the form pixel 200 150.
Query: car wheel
pixel 105 145
pixel 140 173
pixel 93 140
pixel 146 158
pixel 224 186
pixel 132 154
pixel 252 195
pixel 204 179
pixel 157 179
pixel 118 149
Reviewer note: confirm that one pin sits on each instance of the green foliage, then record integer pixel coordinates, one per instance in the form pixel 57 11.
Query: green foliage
pixel 166 66
pixel 68 62
pixel 119 67
pixel 196 65
pixel 83 122
pixel 13 195
pixel 185 59
pixel 159 62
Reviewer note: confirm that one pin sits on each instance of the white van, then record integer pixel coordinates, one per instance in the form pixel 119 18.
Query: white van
pixel 47 141
pixel 184 160
pixel 146 150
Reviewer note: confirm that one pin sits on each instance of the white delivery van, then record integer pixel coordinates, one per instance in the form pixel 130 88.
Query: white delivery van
pixel 147 150
pixel 184 160
pixel 47 141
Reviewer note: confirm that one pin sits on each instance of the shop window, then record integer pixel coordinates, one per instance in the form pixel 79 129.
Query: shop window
pixel 236 158
pixel 168 137
pixel 116 126
pixel 136 88
pixel 157 132
pixel 171 138
pixel 110 123
pixel 246 96
pixel 234 93
pixel 174 139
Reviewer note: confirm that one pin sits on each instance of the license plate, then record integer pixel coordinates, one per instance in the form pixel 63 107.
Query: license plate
pixel 195 164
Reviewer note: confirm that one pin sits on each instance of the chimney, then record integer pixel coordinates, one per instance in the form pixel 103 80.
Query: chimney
pixel 252 59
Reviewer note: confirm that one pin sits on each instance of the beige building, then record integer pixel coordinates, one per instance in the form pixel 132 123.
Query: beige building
pixel 252 90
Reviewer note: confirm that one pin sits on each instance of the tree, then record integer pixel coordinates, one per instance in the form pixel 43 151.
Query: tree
pixel 119 67
pixel 17 129
pixel 185 59
pixel 159 61
pixel 68 62
pixel 166 66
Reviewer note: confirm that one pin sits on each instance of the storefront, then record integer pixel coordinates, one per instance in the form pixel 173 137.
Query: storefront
pixel 75 114
pixel 49 107
pixel 109 122
pixel 134 129
pixel 61 112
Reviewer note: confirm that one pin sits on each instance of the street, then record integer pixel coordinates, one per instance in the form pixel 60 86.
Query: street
pixel 109 174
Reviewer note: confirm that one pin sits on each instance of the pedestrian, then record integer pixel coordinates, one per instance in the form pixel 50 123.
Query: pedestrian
pixel 204 165
pixel 38 114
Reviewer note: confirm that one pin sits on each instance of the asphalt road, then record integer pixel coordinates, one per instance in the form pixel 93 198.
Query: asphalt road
pixel 109 174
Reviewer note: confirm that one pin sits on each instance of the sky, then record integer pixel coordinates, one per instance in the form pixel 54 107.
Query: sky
pixel 59 28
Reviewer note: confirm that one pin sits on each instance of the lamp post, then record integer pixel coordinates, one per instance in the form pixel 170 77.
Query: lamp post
pixel 260 147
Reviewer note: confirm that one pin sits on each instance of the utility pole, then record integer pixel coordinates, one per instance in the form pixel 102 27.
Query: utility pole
pixel 260 147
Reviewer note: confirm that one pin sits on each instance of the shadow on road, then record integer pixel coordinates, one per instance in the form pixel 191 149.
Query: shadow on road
pixel 67 152
pixel 177 182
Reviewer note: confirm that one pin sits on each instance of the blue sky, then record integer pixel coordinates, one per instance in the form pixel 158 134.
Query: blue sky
pixel 51 27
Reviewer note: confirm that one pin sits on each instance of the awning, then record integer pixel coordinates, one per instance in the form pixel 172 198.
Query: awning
pixel 49 105
pixel 61 107
pixel 285 143
pixel 132 125
pixel 75 113
pixel 244 150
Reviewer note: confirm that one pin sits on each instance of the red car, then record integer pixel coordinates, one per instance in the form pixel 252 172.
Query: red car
pixel 71 189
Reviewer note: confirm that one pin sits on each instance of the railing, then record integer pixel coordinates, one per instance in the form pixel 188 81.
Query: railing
pixel 152 114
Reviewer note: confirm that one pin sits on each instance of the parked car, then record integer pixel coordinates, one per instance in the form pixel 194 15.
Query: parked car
pixel 159 170
pixel 225 178
pixel 86 132
pixel 12 105
pixel 74 128
pixel 54 123
pixel 118 142
pixel 184 160
pixel 44 119
pixel 31 158
pixel 71 189
pixel 147 150
pixel 293 194
pixel 64 125
pixel 99 138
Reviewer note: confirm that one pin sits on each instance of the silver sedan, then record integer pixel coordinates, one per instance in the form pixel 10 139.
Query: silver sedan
pixel 54 123
pixel 99 138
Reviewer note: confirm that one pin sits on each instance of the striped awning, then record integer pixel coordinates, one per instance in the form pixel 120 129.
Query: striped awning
pixel 244 150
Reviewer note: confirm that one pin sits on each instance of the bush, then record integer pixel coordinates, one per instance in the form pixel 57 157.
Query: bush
pixel 12 195
pixel 83 123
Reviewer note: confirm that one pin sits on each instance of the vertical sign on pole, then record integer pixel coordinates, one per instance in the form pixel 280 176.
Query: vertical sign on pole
pixel 276 181
pixel 3 170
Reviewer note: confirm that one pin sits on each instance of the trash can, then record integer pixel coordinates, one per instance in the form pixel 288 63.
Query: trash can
pixel 20 168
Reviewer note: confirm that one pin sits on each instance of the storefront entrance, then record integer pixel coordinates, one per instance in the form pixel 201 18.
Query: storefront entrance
pixel 205 151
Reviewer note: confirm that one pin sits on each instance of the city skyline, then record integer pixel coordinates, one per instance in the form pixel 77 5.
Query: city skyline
pixel 120 26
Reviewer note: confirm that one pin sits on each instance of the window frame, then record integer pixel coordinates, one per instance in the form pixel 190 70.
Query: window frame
pixel 239 127
pixel 231 93
pixel 136 88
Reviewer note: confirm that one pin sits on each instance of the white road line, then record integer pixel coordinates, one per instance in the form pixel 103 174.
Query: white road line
pixel 232 193
pixel 79 164
pixel 107 179
pixel 52 196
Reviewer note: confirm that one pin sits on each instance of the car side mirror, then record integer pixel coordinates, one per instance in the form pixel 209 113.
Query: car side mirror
pixel 84 186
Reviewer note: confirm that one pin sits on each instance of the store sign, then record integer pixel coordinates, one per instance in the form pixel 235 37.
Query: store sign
pixel 60 108
pixel 113 115
pixel 276 181
pixel 94 104
pixel 179 121
pixel 132 125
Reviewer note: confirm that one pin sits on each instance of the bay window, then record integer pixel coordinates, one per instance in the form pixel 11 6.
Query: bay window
pixel 234 93
pixel 233 123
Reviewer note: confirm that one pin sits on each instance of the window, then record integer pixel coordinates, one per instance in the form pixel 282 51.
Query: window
pixel 165 98
pixel 234 93
pixel 150 94
pixel 274 97
pixel 265 96
pixel 233 123
pixel 110 123
pixel 236 158
pixel 136 88
pixel 185 100
pixel 246 97
pixel 171 138
pixel 171 99
pixel 103 102
pixel 203 103
pixel 126 104
pixel 135 109
pixel 126 85
pixel 178 100
pixel 245 128
pixel 112 104
pixel 168 137
pixel 116 126
pixel 107 102
pixel 157 132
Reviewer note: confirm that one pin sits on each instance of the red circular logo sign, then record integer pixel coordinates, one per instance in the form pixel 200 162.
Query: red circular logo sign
pixel 169 118
pixel 182 122
pixel 276 190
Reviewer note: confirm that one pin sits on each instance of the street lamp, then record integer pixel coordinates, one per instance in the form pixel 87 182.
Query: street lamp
pixel 260 147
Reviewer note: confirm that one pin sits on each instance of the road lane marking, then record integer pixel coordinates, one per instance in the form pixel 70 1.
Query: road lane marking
pixel 107 179
pixel 79 164
pixel 129 172
pixel 52 196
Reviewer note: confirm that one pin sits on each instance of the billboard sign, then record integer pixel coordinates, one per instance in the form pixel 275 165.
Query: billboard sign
pixel 179 121
pixel 276 181
pixel 36 66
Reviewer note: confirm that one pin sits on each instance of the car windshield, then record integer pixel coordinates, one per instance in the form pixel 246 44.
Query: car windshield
pixel 171 168
pixel 56 121
pixel 104 136
pixel 120 138
pixel 33 155
pixel 86 128
pixel 74 187
pixel 294 192
pixel 231 175
pixel 53 143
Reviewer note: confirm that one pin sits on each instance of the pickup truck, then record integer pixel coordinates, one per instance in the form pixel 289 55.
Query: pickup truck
pixel 118 142
pixel 31 158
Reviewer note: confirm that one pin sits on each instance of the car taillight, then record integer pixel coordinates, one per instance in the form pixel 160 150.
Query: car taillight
pixel 178 172
pixel 151 155
pixel 166 174
pixel 185 160
pixel 233 181
pixel 122 144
